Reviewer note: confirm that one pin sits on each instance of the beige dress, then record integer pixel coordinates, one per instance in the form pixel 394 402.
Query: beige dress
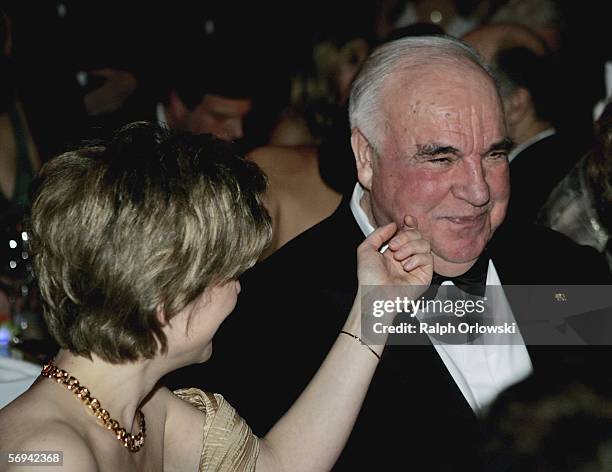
pixel 228 444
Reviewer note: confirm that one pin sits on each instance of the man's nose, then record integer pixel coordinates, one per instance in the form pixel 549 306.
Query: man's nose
pixel 471 184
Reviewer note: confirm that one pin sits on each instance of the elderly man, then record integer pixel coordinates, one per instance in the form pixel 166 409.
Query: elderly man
pixel 431 150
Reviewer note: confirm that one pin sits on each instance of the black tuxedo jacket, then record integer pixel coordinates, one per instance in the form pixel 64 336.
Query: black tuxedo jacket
pixel 290 311
pixel 536 171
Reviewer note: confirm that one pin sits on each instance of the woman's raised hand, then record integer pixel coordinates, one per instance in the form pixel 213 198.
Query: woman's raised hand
pixel 406 261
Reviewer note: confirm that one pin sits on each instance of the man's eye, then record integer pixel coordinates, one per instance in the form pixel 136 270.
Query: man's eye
pixel 498 155
pixel 440 160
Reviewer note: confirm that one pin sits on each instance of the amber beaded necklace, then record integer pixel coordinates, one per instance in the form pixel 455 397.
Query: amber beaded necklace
pixel 130 441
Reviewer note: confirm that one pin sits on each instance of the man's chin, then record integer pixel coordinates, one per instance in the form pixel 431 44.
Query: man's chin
pixel 455 262
pixel 462 248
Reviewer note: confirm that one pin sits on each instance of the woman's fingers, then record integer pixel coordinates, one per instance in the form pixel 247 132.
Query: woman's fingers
pixel 402 237
pixel 408 259
pixel 418 260
pixel 378 237
pixel 410 248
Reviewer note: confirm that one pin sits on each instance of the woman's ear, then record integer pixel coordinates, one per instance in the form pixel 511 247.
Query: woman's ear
pixel 160 314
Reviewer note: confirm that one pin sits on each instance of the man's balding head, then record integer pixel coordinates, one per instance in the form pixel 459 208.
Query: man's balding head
pixel 405 55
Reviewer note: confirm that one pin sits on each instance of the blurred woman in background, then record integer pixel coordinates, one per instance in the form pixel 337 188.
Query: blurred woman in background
pixel 298 196
pixel 19 160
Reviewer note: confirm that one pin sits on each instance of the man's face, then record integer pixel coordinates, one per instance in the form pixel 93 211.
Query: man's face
pixel 220 116
pixel 443 160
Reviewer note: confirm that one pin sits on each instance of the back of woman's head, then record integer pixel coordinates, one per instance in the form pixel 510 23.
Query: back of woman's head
pixel 137 226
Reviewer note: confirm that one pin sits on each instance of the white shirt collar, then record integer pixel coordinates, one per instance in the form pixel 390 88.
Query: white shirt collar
pixel 360 216
pixel 160 114
pixel 534 139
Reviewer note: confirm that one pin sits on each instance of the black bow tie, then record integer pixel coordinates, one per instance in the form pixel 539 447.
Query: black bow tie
pixel 474 281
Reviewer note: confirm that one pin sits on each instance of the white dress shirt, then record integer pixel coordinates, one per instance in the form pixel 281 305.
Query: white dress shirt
pixel 481 371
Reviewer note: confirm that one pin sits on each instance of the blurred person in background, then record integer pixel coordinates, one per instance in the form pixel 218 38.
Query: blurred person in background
pixel 581 205
pixel 551 424
pixel 527 74
pixel 19 162
pixel 457 17
pixel 19 159
pixel 210 92
pixel 83 67
pixel 298 197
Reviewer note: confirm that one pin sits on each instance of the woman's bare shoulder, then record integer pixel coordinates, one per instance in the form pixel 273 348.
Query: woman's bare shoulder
pixel 23 430
pixel 178 410
pixel 183 431
pixel 283 159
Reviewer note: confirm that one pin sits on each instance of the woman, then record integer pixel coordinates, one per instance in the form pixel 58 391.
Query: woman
pixel 580 206
pixel 298 195
pixel 138 246
pixel 19 159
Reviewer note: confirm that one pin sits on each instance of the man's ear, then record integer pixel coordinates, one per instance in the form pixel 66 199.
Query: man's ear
pixel 519 105
pixel 364 155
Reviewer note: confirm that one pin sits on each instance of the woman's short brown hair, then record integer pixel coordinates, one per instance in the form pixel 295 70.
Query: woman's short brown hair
pixel 146 221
